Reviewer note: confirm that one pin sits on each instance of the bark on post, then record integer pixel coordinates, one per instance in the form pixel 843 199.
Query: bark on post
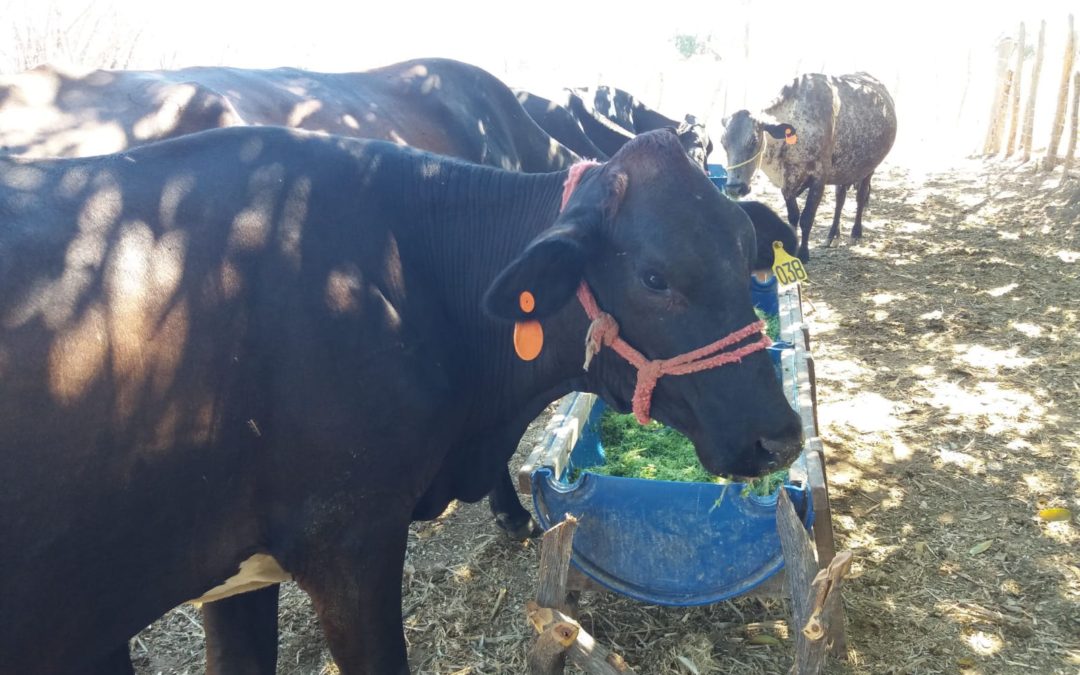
pixel 1063 98
pixel 1018 71
pixel 993 131
pixel 560 636
pixel 1002 113
pixel 1071 146
pixel 801 568
pixel 1029 112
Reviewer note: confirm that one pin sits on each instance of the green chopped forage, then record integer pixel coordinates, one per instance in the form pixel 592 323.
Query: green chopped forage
pixel 772 323
pixel 661 453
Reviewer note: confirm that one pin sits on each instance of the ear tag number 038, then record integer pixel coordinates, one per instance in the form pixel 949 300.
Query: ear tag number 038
pixel 788 270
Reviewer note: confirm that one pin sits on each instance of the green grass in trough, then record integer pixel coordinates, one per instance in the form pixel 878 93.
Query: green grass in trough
pixel 660 453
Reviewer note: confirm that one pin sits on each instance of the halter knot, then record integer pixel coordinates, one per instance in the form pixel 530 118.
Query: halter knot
pixel 603 331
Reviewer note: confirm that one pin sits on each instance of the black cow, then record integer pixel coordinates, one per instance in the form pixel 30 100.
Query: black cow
pixel 258 347
pixel 440 105
pixel 846 126
pixel 560 124
pixel 578 122
pixel 628 112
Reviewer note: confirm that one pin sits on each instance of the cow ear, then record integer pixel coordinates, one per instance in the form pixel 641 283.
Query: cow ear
pixel 779 131
pixel 551 267
pixel 548 271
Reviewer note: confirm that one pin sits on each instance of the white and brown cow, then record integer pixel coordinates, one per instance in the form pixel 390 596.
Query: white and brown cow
pixel 846 126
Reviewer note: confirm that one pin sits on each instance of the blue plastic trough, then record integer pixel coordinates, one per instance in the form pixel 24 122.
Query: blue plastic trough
pixel 663 542
pixel 718 175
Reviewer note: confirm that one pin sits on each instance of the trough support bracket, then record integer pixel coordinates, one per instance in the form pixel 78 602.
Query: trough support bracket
pixel 560 636
pixel 817 606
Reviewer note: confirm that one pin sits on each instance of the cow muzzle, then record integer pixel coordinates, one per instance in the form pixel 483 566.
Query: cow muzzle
pixel 781 451
pixel 737 189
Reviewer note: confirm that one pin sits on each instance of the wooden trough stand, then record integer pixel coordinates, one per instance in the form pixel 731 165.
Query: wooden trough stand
pixel 812 575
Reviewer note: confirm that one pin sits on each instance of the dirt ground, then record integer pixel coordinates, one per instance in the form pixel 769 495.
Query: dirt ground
pixel 949 392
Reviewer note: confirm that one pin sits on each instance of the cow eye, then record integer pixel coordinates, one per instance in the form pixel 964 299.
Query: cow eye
pixel 654 281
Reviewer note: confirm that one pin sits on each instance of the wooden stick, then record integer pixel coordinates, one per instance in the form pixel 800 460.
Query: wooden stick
pixel 1071 146
pixel 1058 125
pixel 1029 111
pixel 557 546
pixel 827 615
pixel 548 654
pixel 801 568
pixel 584 652
pixel 993 131
pixel 1018 72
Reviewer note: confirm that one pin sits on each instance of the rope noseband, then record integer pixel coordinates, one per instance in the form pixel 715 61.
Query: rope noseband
pixel 604 331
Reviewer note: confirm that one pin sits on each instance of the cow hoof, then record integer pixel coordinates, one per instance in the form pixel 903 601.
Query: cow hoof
pixel 829 242
pixel 519 531
pixel 804 256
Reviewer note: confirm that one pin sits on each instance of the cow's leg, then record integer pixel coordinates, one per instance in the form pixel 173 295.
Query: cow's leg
pixel 241 633
pixel 356 591
pixel 116 662
pixel 806 220
pixel 514 519
pixel 862 198
pixel 792 210
pixel 834 231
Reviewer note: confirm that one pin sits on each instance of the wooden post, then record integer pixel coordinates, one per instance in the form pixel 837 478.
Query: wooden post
pixel 993 131
pixel 1071 146
pixel 1058 124
pixel 555 555
pixel 1003 113
pixel 548 653
pixel 561 636
pixel 818 613
pixel 1014 117
pixel 1029 112
pixel 800 567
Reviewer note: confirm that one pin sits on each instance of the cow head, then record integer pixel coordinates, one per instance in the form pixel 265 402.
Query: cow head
pixel 668 257
pixel 744 142
pixel 695 140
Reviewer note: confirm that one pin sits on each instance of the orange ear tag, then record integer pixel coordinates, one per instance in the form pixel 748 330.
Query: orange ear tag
pixel 528 335
pixel 790 137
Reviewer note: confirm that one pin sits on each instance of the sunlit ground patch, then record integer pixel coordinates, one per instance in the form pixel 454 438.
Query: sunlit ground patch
pixel 990 359
pixel 868 412
pixel 1028 329
pixel 990 406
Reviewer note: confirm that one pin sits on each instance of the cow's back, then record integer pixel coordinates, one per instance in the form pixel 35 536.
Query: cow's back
pixel 46 112
pixel 865 127
pixel 810 104
pixel 439 105
pixel 845 127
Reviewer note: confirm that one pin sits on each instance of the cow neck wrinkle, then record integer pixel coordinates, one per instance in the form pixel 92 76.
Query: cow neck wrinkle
pixel 472 222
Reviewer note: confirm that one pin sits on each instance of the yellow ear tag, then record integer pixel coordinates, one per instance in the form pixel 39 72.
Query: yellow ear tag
pixel 790 137
pixel 788 270
pixel 528 335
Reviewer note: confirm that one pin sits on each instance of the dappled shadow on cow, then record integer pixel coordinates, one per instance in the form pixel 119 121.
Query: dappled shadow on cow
pixel 339 263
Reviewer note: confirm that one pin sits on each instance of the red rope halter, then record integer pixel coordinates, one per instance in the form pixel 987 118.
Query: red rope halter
pixel 604 330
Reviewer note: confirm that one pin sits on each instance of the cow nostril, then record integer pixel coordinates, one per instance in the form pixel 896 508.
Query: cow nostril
pixel 782 452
